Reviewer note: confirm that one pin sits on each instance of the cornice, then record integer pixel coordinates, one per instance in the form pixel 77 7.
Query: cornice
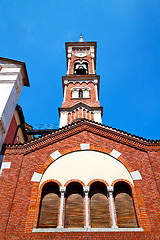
pixel 80 104
pixel 80 79
pixel 72 77
pixel 80 126
pixel 18 63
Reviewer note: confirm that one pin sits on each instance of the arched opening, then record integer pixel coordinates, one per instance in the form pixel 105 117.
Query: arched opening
pixel 99 207
pixel 80 93
pixel 80 68
pixel 74 212
pixel 48 214
pixel 126 217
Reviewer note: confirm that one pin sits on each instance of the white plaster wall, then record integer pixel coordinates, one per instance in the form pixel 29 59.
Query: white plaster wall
pixel 63 119
pixel 10 89
pixel 86 166
pixel 10 106
pixel 97 117
pixel 5 90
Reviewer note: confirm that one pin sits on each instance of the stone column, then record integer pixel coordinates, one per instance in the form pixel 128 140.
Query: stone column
pixel 86 191
pixel 65 89
pixel 62 191
pixel 110 190
pixel 63 119
pixel 96 89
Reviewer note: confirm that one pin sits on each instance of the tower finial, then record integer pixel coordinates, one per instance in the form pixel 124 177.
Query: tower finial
pixel 81 38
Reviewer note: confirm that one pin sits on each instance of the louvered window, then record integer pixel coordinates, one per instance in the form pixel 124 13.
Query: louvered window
pixel 74 216
pixel 99 207
pixel 48 216
pixel 125 211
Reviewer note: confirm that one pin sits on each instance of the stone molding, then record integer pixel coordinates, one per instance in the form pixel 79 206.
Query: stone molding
pixel 5 165
pixel 85 146
pixel 36 177
pixel 77 127
pixel 136 175
pixel 56 155
pixel 43 230
pixel 115 153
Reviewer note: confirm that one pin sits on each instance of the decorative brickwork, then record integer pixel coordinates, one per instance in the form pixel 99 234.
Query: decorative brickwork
pixel 74 181
pixel 38 154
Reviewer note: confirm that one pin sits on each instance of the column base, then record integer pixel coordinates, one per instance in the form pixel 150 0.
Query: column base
pixel 114 227
pixel 60 227
pixel 87 227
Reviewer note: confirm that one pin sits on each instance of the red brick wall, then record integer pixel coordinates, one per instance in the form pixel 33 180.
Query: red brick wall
pixel 90 101
pixel 87 58
pixel 19 195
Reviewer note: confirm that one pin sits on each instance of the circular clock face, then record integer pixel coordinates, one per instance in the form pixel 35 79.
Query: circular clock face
pixel 80 54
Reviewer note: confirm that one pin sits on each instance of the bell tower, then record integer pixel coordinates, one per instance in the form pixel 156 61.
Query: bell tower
pixel 81 84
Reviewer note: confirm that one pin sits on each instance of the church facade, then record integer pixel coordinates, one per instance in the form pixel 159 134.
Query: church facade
pixel 84 180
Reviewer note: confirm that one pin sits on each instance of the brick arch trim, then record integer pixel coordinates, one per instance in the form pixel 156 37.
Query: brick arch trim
pixel 49 181
pixel 97 180
pixel 93 148
pixel 122 180
pixel 74 181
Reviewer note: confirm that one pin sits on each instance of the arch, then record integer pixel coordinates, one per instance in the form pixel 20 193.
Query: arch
pixel 122 180
pixel 124 205
pixel 74 181
pixel 53 181
pixel 50 181
pixel 136 198
pixel 136 191
pixel 77 148
pixel 49 206
pixel 97 180
pixel 74 207
pixel 73 167
pixel 99 205
pixel 80 67
pixel 80 93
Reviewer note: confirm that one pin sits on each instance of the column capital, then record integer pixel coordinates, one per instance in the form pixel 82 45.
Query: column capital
pixel 86 189
pixel 95 81
pixel 110 188
pixel 62 189
pixel 66 82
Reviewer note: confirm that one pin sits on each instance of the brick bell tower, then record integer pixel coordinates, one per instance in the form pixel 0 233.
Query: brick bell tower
pixel 81 84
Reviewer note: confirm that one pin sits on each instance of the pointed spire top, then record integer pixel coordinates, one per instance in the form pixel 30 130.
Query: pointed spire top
pixel 81 38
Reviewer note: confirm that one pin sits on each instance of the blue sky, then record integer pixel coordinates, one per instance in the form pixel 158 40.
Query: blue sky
pixel 128 56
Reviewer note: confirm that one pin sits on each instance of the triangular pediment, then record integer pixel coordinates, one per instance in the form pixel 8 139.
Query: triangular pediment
pixel 81 126
pixel 82 105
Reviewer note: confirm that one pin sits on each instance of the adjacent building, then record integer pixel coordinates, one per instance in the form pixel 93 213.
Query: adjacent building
pixel 13 76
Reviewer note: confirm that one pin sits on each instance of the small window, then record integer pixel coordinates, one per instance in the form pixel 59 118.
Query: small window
pixel 80 93
pixel 81 68
pixel 48 214
pixel 126 217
